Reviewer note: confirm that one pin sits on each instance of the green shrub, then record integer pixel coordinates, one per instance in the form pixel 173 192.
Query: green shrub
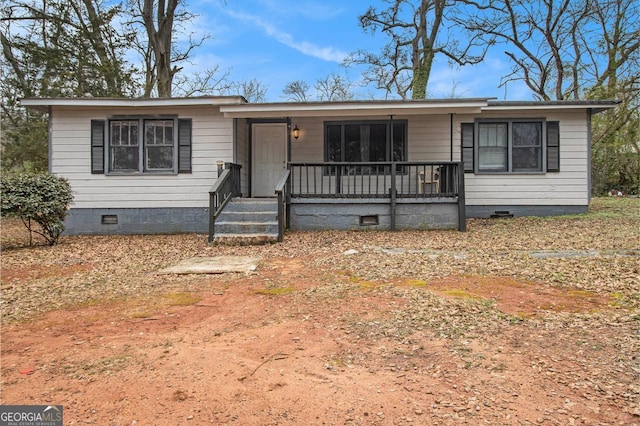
pixel 40 198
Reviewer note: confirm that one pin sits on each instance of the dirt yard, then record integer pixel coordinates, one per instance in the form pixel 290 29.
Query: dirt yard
pixel 515 322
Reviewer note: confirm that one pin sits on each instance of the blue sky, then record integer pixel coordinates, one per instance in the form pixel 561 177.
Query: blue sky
pixel 279 41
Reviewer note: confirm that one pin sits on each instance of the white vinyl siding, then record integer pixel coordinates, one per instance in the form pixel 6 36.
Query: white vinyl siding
pixel 309 147
pixel 428 139
pixel 212 140
pixel 569 186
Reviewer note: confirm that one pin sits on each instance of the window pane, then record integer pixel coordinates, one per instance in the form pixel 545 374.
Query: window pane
pixel 133 133
pixel 124 133
pixel 352 149
pixel 527 134
pixel 159 135
pixel 124 158
pixel 115 134
pixel 492 146
pixel 123 145
pixel 149 134
pixel 377 143
pixel 159 157
pixel 334 138
pixel 398 142
pixel 493 134
pixel 159 132
pixel 158 145
pixel 526 159
pixel 527 147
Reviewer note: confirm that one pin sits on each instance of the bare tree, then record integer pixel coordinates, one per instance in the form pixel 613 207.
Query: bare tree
pixel 418 31
pixel 561 49
pixel 208 82
pixel 296 91
pixel 618 40
pixel 334 88
pixel 331 88
pixel 252 90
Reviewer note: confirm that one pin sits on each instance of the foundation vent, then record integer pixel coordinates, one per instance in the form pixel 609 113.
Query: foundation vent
pixel 109 219
pixel 369 220
pixel 501 214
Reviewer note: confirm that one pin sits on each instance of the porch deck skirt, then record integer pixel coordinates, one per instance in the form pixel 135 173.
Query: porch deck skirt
pixel 313 214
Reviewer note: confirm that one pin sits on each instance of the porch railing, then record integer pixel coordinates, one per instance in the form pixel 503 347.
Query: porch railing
pixel 283 192
pixel 226 186
pixel 376 179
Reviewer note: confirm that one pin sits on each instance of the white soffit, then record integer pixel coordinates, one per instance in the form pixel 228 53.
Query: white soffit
pixel 353 109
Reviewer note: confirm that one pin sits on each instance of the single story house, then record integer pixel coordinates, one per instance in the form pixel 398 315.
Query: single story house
pixel 226 167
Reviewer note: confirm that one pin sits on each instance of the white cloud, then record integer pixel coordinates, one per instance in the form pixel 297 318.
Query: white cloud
pixel 307 48
pixel 307 9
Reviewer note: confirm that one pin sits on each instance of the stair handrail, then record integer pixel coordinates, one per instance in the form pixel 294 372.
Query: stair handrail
pixel 224 188
pixel 283 191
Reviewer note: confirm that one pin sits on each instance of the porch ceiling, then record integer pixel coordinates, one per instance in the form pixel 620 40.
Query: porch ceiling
pixel 354 109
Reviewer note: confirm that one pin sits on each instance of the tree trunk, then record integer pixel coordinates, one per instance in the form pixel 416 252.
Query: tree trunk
pixel 160 32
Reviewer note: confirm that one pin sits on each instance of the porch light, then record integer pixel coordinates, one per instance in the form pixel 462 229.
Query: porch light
pixel 296 132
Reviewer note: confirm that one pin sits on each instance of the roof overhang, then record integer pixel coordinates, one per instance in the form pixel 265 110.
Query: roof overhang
pixel 354 108
pixel 237 106
pixel 594 106
pixel 44 104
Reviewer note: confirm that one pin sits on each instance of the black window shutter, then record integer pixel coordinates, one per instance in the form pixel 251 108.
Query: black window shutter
pixel 553 146
pixel 467 146
pixel 97 146
pixel 184 145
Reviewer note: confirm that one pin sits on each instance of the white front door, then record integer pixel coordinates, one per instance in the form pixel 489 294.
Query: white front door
pixel 269 157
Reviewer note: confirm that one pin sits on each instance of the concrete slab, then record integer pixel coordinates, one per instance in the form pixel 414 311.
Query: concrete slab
pixel 213 265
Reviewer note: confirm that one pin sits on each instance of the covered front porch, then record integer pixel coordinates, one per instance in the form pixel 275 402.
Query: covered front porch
pixel 351 165
pixel 356 195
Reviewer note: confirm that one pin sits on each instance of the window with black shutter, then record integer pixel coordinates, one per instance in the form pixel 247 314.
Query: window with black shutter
pixel 553 146
pixel 511 146
pixel 97 146
pixel 467 146
pixel 141 145
pixel 184 146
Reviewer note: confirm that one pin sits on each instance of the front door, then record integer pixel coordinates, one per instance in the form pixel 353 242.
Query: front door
pixel 269 157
